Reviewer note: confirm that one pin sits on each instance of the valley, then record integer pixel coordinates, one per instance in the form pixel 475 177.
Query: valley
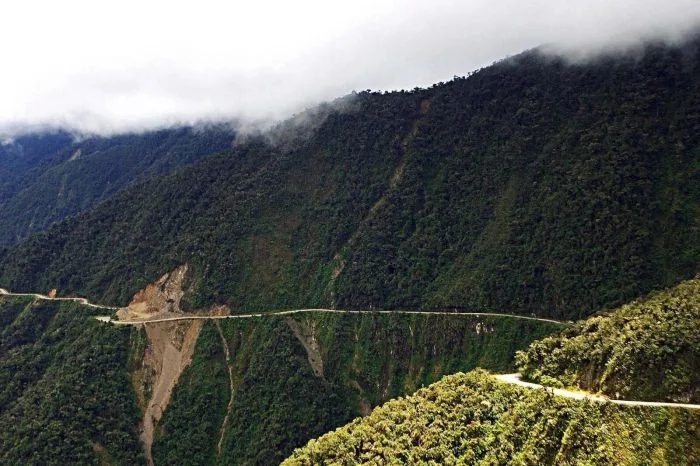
pixel 499 269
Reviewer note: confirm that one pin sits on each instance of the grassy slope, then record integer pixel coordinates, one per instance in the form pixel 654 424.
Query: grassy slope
pixel 65 396
pixel 473 419
pixel 646 350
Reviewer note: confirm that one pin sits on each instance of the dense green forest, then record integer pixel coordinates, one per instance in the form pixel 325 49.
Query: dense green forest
pixel 646 350
pixel 65 394
pixel 67 381
pixel 27 152
pixel 531 186
pixel 474 419
pixel 281 400
pixel 47 177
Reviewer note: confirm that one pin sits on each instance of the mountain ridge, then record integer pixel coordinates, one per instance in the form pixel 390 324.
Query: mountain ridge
pixel 529 186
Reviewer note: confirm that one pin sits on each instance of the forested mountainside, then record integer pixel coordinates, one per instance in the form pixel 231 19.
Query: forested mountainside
pixel 26 152
pixel 295 378
pixel 65 395
pixel 474 419
pixel 75 391
pixel 531 186
pixel 46 177
pixel 646 350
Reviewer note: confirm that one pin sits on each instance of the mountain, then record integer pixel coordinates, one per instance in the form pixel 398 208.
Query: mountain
pixel 26 152
pixel 74 390
pixel 646 350
pixel 531 186
pixel 251 390
pixel 65 394
pixel 474 419
pixel 47 177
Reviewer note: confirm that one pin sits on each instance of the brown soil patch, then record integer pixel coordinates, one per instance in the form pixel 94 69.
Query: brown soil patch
pixel 159 299
pixel 169 351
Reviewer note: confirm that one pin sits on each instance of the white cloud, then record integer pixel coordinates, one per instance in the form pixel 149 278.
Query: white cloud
pixel 110 66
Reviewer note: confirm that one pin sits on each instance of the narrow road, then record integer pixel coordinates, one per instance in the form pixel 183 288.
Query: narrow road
pixel 85 302
pixel 507 378
pixel 516 380
pixel 329 311
pixel 82 301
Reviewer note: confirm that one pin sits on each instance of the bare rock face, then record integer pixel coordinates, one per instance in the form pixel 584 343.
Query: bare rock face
pixel 169 351
pixel 170 345
pixel 161 297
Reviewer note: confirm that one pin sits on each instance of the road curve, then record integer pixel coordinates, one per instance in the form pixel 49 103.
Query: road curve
pixel 329 311
pixel 516 380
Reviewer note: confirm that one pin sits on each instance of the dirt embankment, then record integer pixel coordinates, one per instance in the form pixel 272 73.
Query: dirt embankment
pixel 170 345
pixel 160 298
pixel 169 351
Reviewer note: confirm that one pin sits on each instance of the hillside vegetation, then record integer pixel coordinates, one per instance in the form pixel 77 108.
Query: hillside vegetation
pixel 65 395
pixel 25 153
pixel 531 186
pixel 46 177
pixel 297 378
pixel 646 350
pixel 473 419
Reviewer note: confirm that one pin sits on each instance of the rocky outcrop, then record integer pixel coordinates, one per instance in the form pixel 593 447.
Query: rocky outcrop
pixel 161 297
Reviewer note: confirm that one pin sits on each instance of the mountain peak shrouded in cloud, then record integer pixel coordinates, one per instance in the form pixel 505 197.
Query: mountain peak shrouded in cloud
pixel 109 67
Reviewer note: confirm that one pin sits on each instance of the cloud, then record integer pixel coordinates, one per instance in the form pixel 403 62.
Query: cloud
pixel 116 66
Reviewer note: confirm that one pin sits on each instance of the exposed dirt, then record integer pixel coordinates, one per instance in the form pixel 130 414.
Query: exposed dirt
pixel 306 334
pixel 232 388
pixel 161 298
pixel 101 452
pixel 169 351
pixel 170 345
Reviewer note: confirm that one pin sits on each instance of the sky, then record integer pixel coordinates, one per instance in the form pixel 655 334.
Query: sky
pixel 112 66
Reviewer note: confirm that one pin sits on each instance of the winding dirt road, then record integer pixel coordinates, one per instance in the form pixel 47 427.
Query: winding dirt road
pixel 82 301
pixel 329 311
pixel 515 379
pixel 109 319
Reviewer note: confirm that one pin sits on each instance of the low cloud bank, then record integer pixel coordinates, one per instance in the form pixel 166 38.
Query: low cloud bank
pixel 125 67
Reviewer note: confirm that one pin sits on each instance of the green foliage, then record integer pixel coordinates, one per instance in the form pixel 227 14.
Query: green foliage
pixel 532 186
pixel 473 419
pixel 646 350
pixel 188 432
pixel 279 404
pixel 52 177
pixel 65 396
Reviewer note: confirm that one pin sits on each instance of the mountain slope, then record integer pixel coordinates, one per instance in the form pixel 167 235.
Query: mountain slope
pixel 74 390
pixel 473 419
pixel 65 396
pixel 298 377
pixel 531 186
pixel 84 172
pixel 646 350
pixel 26 152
